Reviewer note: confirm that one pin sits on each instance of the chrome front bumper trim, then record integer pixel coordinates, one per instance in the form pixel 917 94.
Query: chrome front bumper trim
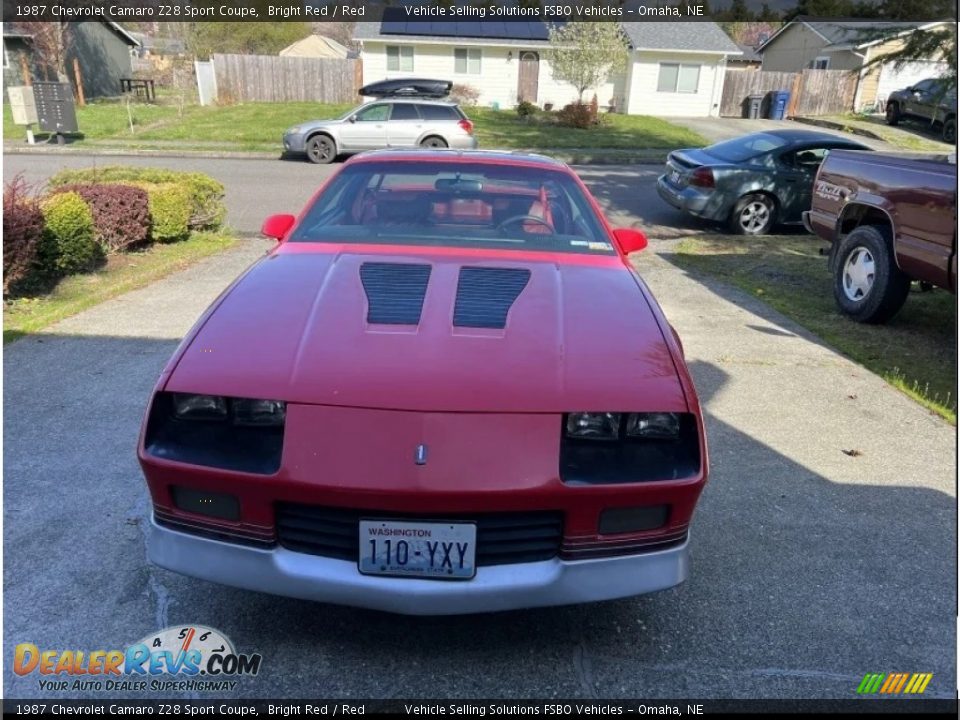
pixel 500 587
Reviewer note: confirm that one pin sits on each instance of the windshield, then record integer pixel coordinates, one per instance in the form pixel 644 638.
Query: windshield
pixel 746 148
pixel 456 205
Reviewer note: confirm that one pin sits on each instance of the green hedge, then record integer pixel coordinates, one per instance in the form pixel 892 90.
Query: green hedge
pixel 68 245
pixel 170 209
pixel 207 211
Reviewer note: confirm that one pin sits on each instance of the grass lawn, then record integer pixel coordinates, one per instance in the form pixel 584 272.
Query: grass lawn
pixel 915 352
pixel 121 274
pixel 259 126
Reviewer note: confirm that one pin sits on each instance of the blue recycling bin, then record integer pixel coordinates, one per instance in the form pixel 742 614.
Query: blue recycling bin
pixel 778 104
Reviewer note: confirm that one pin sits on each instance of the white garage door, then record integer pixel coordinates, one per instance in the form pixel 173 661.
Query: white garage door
pixel 910 74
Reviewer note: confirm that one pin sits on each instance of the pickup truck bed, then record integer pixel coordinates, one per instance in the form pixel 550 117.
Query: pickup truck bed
pixel 891 219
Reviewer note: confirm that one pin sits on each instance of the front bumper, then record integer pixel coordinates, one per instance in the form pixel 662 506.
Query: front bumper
pixel 691 200
pixel 500 587
pixel 294 142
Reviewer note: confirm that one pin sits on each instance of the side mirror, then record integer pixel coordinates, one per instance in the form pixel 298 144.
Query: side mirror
pixel 630 240
pixel 277 226
pixel 353 118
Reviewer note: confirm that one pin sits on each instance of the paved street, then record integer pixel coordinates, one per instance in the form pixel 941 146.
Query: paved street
pixel 256 188
pixel 809 567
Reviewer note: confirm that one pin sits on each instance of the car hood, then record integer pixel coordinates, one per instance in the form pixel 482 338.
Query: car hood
pixel 314 124
pixel 295 328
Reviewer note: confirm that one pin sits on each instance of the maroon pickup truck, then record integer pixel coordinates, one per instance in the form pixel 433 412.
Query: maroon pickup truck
pixel 891 219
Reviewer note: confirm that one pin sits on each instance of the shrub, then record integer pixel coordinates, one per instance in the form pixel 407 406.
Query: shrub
pixel 67 245
pixel 576 115
pixel 22 231
pixel 526 109
pixel 170 207
pixel 464 95
pixel 207 211
pixel 121 214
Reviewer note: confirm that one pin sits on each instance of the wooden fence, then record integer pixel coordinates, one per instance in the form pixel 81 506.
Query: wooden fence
pixel 267 78
pixel 812 92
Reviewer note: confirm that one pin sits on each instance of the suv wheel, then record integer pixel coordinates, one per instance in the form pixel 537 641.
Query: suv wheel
pixel 434 142
pixel 867 284
pixel 893 113
pixel 950 131
pixel 321 150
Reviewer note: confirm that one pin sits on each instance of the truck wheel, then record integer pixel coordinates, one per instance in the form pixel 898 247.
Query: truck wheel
pixel 754 214
pixel 321 149
pixel 867 284
pixel 893 114
pixel 950 131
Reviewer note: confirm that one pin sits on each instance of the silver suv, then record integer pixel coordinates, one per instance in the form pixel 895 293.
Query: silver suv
pixel 385 123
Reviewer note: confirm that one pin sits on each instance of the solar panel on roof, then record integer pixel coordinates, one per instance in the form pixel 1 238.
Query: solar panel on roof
pixel 495 29
pixel 472 29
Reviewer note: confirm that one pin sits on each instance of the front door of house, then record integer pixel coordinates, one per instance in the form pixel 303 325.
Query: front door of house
pixel 529 77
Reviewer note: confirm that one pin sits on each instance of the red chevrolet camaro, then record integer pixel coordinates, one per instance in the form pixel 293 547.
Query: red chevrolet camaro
pixel 444 391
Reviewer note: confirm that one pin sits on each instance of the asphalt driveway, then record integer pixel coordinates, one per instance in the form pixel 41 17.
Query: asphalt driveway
pixel 810 567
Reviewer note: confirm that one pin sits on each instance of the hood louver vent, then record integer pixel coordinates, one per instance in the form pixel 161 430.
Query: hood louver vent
pixel 395 292
pixel 485 296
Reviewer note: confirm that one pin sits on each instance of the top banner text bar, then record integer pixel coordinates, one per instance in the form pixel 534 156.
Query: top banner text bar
pixel 432 11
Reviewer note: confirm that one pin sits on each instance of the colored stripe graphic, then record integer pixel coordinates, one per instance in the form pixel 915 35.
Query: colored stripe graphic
pixel 894 683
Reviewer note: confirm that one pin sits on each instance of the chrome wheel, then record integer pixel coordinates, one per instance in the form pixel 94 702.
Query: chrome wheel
pixel 859 272
pixel 754 216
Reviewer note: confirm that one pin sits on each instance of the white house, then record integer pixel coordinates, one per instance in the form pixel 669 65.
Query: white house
pixel 675 69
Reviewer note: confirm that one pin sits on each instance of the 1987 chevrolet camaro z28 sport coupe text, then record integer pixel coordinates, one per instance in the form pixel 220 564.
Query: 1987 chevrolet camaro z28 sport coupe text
pixel 444 391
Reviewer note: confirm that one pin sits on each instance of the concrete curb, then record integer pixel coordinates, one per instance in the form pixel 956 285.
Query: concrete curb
pixel 570 157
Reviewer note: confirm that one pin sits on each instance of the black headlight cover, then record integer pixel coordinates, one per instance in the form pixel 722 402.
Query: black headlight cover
pixel 219 443
pixel 630 459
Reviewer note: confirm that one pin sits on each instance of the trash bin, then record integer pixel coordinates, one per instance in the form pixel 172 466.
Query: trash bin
pixel 778 104
pixel 752 106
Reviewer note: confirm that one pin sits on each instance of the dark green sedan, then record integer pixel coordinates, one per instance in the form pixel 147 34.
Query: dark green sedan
pixel 752 183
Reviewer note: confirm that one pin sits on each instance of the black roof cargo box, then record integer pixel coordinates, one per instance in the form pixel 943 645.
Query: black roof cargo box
pixel 408 87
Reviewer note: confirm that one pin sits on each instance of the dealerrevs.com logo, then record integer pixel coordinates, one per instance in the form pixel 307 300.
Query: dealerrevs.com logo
pixel 199 657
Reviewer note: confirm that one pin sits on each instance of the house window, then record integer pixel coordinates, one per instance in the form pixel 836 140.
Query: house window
pixel 466 61
pixel 677 78
pixel 400 57
pixel 820 63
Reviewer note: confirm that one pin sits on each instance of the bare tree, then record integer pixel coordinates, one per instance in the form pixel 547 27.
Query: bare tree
pixel 51 41
pixel 342 32
pixel 583 54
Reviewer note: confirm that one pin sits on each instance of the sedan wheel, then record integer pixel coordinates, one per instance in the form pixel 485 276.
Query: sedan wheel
pixel 321 150
pixel 753 215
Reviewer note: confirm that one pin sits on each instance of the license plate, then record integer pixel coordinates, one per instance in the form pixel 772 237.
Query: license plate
pixel 675 177
pixel 432 550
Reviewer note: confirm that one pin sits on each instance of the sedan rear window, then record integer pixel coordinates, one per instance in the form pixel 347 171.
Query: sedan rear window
pixel 746 148
pixel 456 205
